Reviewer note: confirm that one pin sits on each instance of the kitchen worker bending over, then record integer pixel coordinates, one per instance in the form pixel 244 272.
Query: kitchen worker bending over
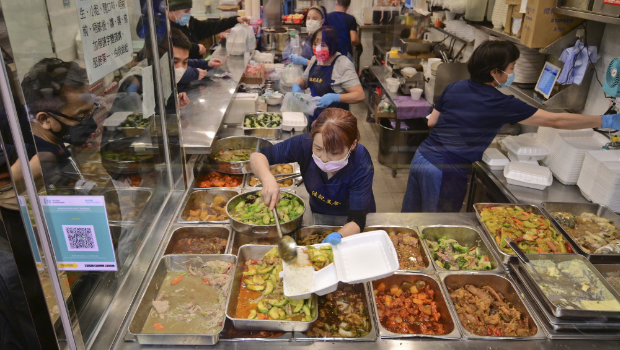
pixel 329 75
pixel 336 168
pixel 466 118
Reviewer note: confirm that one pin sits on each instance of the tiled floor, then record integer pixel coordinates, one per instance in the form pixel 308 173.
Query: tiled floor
pixel 389 191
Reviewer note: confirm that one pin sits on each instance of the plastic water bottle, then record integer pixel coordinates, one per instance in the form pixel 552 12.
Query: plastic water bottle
pixel 296 45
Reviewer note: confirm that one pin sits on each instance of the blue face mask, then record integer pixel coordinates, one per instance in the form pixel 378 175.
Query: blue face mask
pixel 184 19
pixel 511 78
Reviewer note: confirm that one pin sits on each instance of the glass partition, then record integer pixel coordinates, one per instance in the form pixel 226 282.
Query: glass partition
pixel 92 88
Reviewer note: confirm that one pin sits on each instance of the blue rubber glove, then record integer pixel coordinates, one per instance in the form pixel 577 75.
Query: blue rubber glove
pixel 298 60
pixel 327 99
pixel 611 121
pixel 333 238
pixel 297 88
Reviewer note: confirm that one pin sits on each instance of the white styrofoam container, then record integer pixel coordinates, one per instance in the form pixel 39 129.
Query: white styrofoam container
pixel 495 159
pixel 293 121
pixel 525 147
pixel 242 104
pixel 515 158
pixel 528 175
pixel 360 258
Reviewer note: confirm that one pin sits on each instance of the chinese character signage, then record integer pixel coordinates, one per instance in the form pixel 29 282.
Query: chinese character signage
pixel 106 36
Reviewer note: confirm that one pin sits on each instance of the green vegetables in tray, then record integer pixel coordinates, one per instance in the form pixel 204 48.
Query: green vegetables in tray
pixel 254 211
pixel 125 156
pixel 450 255
pixel 135 120
pixel 263 120
pixel 532 233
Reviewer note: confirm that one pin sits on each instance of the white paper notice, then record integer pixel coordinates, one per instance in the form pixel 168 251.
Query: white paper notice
pixel 523 6
pixel 106 36
pixel 148 92
pixel 164 65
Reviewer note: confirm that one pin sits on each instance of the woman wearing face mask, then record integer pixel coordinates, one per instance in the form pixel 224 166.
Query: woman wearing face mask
pixel 466 118
pixel 336 168
pixel 314 20
pixel 329 75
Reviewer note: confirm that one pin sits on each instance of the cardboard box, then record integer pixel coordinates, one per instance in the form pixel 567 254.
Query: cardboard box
pixel 542 26
pixel 512 15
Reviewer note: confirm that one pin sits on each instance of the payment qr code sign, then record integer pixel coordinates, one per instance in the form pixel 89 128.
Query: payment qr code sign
pixel 80 238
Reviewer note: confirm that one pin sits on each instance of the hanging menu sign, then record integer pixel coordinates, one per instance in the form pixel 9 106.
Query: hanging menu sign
pixel 106 36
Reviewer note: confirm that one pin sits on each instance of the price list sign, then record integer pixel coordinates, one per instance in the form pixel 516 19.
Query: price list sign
pixel 106 36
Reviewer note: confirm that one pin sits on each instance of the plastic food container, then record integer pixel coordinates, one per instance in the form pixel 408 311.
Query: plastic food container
pixel 515 158
pixel 357 259
pixel 495 159
pixel 528 175
pixel 416 94
pixel 294 121
pixel 525 147
pixel 392 84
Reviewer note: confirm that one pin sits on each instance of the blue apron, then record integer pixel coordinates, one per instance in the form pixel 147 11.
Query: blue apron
pixel 331 196
pixel 320 82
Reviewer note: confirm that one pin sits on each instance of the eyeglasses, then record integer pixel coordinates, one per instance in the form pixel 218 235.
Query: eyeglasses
pixel 96 106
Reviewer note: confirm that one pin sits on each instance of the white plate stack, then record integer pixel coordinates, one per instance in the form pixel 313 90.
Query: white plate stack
pixel 546 137
pixel 569 151
pixel 599 180
pixel 529 65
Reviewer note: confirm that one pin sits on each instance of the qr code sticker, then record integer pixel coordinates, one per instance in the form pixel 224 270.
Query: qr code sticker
pixel 80 238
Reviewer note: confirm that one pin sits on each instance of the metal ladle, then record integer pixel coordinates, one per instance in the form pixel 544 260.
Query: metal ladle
pixel 287 248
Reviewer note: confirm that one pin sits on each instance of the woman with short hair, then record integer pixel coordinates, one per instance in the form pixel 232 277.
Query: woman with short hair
pixel 337 171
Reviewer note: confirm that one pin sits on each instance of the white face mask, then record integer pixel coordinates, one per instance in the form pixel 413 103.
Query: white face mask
pixel 313 25
pixel 178 74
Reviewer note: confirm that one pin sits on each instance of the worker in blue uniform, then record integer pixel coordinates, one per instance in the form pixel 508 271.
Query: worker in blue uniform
pixel 465 120
pixel 337 171
pixel 329 75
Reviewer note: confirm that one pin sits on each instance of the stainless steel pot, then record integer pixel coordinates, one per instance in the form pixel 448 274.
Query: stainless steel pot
pixel 262 230
pixel 415 46
pixel 275 39
pixel 231 143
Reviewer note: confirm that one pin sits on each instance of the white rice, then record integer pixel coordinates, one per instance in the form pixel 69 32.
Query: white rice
pixel 299 276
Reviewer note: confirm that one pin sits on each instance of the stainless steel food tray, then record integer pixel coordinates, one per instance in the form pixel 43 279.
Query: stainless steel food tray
pixel 239 240
pixel 256 252
pixel 222 231
pixel 208 170
pixel 414 232
pixel 242 336
pixel 308 230
pixel 264 133
pixel 204 195
pixel 452 331
pixel 501 284
pixel 296 181
pixel 555 323
pixel 464 235
pixel 605 269
pixel 577 209
pixel 505 258
pixel 137 196
pixel 172 263
pixel 571 313
pixel 371 336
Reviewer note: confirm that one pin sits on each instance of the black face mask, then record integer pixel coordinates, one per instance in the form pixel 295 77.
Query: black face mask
pixel 76 135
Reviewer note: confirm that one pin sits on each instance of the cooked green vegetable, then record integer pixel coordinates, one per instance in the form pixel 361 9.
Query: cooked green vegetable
pixel 253 210
pixel 263 120
pixel 532 233
pixel 135 120
pixel 450 255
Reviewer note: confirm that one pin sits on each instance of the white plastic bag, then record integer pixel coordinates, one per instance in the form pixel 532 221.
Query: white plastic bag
pixel 290 74
pixel 298 102
pixel 250 41
pixel 236 41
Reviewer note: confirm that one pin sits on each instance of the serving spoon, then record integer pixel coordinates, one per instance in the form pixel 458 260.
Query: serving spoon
pixel 287 248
